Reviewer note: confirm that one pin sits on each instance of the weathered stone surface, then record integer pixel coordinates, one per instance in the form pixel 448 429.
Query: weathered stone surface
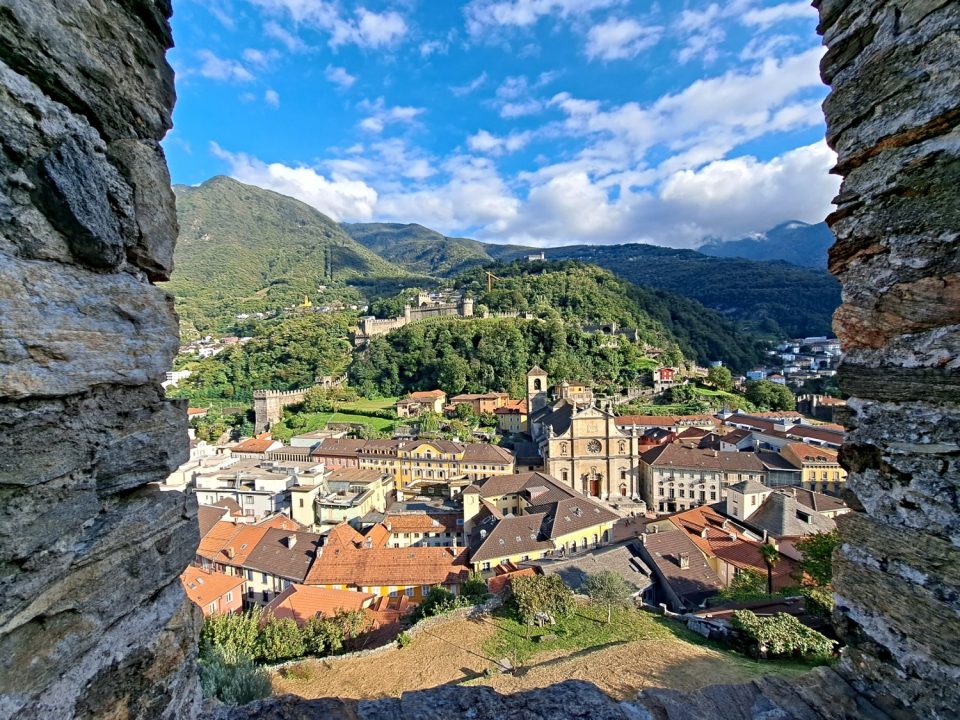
pixel 93 620
pixel 85 329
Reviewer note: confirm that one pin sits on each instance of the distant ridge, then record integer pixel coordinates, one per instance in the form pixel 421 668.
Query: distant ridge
pixel 795 242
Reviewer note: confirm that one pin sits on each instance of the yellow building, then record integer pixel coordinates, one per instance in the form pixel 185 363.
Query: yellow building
pixel 530 516
pixel 443 460
pixel 820 469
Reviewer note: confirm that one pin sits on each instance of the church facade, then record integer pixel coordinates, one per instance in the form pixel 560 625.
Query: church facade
pixel 582 446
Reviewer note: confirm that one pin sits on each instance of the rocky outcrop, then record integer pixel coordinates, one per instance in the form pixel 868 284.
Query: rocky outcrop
pixel 93 621
pixel 893 116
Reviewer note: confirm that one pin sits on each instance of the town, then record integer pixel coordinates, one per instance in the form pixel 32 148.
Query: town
pixel 687 510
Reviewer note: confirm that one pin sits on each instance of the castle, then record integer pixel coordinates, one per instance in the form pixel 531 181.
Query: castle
pixel 426 307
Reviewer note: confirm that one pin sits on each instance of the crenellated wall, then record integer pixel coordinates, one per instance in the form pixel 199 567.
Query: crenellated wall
pixel 93 621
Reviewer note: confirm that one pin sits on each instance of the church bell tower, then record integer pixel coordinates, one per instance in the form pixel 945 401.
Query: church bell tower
pixel 536 389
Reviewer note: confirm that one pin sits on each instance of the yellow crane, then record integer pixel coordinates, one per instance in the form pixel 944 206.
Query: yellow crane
pixel 490 278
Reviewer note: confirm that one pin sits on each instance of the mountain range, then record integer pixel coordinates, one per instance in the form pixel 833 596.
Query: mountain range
pixel 795 242
pixel 243 249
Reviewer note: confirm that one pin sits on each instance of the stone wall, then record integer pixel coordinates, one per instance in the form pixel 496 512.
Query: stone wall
pixel 93 621
pixel 893 117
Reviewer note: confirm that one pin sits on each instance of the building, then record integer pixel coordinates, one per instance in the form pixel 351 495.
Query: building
pixel 279 558
pixel 528 516
pixel 213 592
pixel 731 549
pixel 665 378
pixel 260 487
pixel 226 545
pixel 344 495
pixel 622 558
pixel 420 529
pixel 418 402
pixel 446 461
pixel 481 403
pixel 683 579
pixel 255 447
pixel 301 603
pixel 819 467
pixel 512 417
pixel 365 563
pixel 679 477
pixel 783 517
pixel 576 392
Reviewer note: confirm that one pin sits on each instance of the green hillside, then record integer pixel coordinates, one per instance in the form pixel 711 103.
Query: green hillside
pixel 795 242
pixel 587 294
pixel 773 297
pixel 243 249
pixel 422 250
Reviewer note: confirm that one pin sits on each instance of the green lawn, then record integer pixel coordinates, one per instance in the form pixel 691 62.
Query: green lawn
pixel 368 404
pixel 587 629
pixel 317 421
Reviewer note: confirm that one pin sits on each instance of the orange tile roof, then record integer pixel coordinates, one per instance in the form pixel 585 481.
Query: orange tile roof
pixel 421 522
pixel 810 453
pixel 280 522
pixel 427 395
pixel 204 587
pixel 302 602
pixel 706 528
pixel 344 560
pixel 197 411
pixel 498 583
pixel 258 444
pixel 230 544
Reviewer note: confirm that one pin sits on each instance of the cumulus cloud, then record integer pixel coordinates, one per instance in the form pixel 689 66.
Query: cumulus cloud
pixel 364 28
pixel 340 198
pixel 487 143
pixel 379 115
pixel 339 76
pixel 620 39
pixel 214 67
pixel 272 97
pixel 473 85
pixel 764 17
pixel 486 15
pixel 292 42
pixel 260 57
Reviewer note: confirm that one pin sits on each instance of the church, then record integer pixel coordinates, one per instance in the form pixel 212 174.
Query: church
pixel 582 445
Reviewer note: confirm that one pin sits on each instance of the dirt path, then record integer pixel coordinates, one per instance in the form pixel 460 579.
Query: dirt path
pixel 453 652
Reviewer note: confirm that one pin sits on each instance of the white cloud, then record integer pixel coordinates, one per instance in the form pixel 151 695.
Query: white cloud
pixel 365 28
pixel 485 142
pixel 339 76
pixel 214 67
pixel 520 109
pixel 259 57
pixel 620 39
pixel 340 198
pixel 475 84
pixel 272 97
pixel 380 115
pixel 764 17
pixel 286 38
pixel 485 15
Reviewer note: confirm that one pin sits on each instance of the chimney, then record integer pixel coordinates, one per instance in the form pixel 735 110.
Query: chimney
pixel 684 561
pixel 291 541
pixel 231 552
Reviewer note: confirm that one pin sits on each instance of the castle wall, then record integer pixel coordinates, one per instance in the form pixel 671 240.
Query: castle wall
pixel 93 619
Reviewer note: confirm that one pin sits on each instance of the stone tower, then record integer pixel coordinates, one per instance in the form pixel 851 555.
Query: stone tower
pixel 536 389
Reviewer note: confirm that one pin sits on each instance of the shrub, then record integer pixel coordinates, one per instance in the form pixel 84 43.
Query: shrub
pixel 234 634
pixel 234 680
pixel 403 639
pixel 818 602
pixel 780 636
pixel 438 602
pixel 280 639
pixel 300 671
pixel 474 589
pixel 542 594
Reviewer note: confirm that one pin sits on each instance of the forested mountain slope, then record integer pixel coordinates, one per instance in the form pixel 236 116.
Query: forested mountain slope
pixel 795 242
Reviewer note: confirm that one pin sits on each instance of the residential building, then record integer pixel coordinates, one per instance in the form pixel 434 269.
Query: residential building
pixel 683 579
pixel 420 529
pixel 528 516
pixel 512 417
pixel 213 592
pixel 679 476
pixel 745 498
pixel 576 392
pixel 481 403
pixel 665 378
pixel 280 558
pixel 731 549
pixel 255 447
pixel 819 466
pixel 226 545
pixel 443 460
pixel 260 487
pixel 310 440
pixel 301 603
pixel 782 516
pixel 365 563
pixel 418 402
pixel 342 496
pixel 622 558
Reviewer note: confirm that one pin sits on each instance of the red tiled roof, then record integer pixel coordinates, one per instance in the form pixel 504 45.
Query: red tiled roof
pixel 498 583
pixel 258 444
pixel 421 523
pixel 302 602
pixel 230 544
pixel 427 395
pixel 204 587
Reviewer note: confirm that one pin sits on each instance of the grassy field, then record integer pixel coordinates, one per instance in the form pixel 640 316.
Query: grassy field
pixel 637 650
pixel 317 421
pixel 369 404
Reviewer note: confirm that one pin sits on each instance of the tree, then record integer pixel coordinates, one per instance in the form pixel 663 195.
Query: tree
pixel 683 394
pixel 817 562
pixel 464 411
pixel 746 585
pixel 608 588
pixel 234 634
pixel 280 639
pixel 768 395
pixel 720 377
pixel 429 422
pixel 771 556
pixel 542 594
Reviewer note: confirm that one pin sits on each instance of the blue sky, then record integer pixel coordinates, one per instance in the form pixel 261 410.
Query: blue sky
pixel 542 122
